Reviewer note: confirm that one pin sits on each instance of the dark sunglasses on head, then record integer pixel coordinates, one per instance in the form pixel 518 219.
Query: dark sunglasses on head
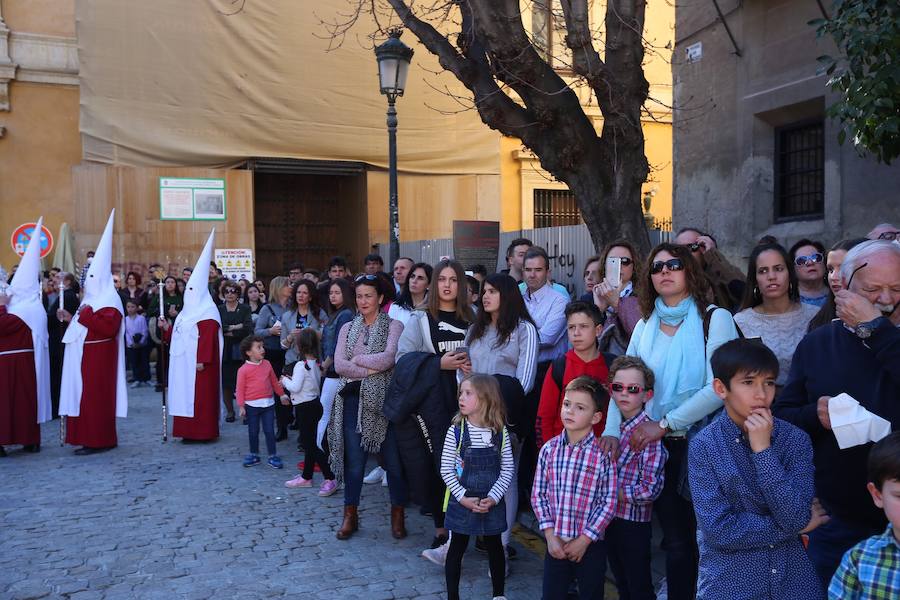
pixel 366 278
pixel 889 236
pixel 695 247
pixel 802 261
pixel 631 389
pixel 673 264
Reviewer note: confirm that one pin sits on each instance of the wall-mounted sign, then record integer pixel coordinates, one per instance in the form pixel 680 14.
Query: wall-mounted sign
pixel 191 199
pixel 694 52
pixel 22 234
pixel 236 263
pixel 476 243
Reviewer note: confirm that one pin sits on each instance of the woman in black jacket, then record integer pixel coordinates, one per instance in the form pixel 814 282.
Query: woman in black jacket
pixel 236 325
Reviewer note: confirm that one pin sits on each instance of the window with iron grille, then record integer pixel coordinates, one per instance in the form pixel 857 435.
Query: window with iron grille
pixel 555 208
pixel 800 170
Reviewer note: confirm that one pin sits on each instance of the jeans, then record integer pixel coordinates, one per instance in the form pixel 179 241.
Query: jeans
pixel 453 566
pixel 266 416
pixel 679 525
pixel 628 547
pixel 829 542
pixel 307 416
pixel 138 358
pixel 590 574
pixel 355 458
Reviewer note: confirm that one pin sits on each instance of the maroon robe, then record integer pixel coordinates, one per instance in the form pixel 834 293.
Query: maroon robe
pixel 96 425
pixel 204 425
pixel 18 383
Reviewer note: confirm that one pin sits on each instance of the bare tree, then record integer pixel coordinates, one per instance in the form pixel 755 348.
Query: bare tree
pixel 517 90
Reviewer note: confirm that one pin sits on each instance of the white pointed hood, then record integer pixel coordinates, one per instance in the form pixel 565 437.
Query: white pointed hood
pixel 25 303
pixel 198 306
pixel 99 293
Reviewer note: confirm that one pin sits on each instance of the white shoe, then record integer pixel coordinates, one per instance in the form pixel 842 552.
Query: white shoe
pixel 499 597
pixel 375 475
pixel 135 384
pixel 437 555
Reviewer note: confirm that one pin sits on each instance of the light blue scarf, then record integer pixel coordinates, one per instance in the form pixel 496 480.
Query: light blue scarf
pixel 684 371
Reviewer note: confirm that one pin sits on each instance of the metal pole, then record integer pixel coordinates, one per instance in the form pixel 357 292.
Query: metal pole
pixel 161 366
pixel 393 206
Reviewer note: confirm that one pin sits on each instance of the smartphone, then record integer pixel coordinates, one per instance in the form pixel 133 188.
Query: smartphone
pixel 462 350
pixel 614 271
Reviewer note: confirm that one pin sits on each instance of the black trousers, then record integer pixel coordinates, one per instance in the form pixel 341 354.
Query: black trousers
pixel 284 415
pixel 679 525
pixel 308 415
pixel 496 562
pixel 528 459
pixel 628 552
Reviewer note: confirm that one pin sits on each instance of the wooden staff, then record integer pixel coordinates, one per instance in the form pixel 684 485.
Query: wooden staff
pixel 62 304
pixel 161 364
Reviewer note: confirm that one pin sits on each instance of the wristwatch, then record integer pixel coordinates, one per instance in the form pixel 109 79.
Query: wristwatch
pixel 864 330
pixel 664 424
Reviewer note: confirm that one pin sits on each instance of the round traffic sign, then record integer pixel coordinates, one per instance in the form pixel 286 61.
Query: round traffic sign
pixel 22 234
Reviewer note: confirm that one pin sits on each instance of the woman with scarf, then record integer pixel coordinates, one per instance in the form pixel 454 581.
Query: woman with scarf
pixel 674 341
pixel 366 349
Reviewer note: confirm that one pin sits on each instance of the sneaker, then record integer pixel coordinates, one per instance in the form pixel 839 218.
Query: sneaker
pixel 275 462
pixel 328 488
pixel 135 384
pixel 499 597
pixel 251 460
pixel 376 475
pixel 298 482
pixel 437 555
pixel 438 541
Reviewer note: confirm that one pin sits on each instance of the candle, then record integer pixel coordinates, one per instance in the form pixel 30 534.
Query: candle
pixel 161 284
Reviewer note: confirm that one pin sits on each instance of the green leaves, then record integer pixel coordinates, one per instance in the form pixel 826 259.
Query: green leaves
pixel 866 74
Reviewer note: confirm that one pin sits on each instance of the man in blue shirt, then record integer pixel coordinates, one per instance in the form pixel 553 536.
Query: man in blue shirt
pixel 858 354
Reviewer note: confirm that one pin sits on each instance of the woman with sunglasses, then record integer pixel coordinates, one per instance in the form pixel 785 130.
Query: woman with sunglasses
pixel 503 342
pixel 771 309
pixel 427 358
pixel 617 303
pixel 236 325
pixel 672 341
pixel 836 254
pixel 808 258
pixel 364 358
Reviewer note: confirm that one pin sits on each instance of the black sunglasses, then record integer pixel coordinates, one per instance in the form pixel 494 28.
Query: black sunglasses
pixel 673 264
pixel 889 236
pixel 623 260
pixel 812 259
pixel 631 389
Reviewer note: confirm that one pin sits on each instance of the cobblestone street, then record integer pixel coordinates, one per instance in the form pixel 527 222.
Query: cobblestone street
pixel 154 520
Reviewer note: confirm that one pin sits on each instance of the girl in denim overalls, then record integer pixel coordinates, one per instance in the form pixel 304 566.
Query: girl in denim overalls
pixel 477 466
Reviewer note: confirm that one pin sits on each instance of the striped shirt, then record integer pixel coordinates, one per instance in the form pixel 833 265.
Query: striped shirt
pixel 869 571
pixel 640 473
pixel 479 437
pixel 574 488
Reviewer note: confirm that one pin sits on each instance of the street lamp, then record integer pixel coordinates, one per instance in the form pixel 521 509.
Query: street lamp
pixel 393 66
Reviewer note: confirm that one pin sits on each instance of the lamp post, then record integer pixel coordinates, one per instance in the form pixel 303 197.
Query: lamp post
pixel 393 66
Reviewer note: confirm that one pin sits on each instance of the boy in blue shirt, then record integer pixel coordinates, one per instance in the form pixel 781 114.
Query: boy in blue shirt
pixel 871 569
pixel 751 478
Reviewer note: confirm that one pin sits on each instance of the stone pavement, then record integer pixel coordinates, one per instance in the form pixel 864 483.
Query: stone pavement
pixel 154 520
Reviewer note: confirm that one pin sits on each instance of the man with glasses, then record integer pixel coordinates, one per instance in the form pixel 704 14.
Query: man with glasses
pixel 725 280
pixel 295 273
pixel 857 354
pixel 884 231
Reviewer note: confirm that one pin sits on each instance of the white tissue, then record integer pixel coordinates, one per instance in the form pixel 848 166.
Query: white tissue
pixel 853 425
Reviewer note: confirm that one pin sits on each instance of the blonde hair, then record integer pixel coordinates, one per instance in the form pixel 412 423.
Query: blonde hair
pixel 275 287
pixel 491 408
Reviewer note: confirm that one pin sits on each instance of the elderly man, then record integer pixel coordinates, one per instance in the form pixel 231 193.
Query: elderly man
pixel 857 354
pixel 401 271
pixel 725 280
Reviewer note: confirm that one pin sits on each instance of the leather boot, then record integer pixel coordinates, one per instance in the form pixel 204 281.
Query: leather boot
pixel 350 524
pixel 398 525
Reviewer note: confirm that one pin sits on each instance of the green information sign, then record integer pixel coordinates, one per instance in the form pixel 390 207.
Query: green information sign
pixel 191 199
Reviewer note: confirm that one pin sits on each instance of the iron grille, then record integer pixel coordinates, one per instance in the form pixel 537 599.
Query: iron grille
pixel 800 170
pixel 555 208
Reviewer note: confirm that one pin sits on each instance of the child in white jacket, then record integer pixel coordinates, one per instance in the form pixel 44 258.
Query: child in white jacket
pixel 303 385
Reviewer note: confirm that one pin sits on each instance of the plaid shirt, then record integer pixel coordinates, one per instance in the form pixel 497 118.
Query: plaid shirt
pixel 574 489
pixel 869 571
pixel 640 473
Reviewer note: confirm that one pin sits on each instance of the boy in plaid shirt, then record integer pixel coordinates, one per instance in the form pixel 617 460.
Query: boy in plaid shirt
pixel 574 496
pixel 871 569
pixel 640 475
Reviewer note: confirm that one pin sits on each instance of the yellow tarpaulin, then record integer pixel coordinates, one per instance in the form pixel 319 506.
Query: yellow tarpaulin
pixel 175 82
